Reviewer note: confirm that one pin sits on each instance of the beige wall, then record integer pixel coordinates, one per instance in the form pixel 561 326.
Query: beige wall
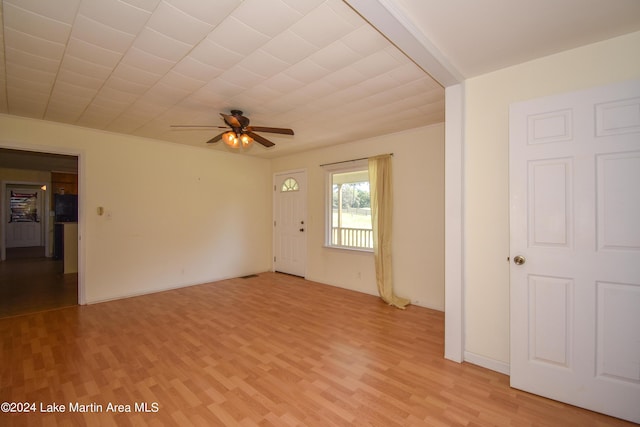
pixel 21 175
pixel 174 215
pixel 487 172
pixel 418 249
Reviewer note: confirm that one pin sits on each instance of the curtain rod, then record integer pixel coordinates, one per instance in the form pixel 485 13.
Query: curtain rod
pixel 352 160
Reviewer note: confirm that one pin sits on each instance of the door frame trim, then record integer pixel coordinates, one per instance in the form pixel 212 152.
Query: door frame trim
pixel 273 214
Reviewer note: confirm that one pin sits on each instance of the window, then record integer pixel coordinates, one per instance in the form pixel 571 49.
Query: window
pixel 290 184
pixel 349 207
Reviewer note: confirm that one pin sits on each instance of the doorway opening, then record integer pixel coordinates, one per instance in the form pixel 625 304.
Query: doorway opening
pixel 37 270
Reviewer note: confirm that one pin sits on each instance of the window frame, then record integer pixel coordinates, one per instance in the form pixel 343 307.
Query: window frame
pixel 330 170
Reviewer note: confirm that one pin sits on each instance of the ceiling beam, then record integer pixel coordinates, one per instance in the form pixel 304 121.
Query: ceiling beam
pixel 392 23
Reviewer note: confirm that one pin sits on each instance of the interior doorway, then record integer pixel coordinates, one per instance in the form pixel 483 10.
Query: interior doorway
pixel 34 274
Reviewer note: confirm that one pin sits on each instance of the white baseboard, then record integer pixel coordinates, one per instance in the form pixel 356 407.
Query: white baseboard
pixel 486 362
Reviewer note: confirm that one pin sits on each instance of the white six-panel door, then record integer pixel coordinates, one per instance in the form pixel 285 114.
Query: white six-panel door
pixel 575 233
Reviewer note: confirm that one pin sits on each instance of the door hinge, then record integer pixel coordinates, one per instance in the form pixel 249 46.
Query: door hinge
pixel 274 223
pixel 274 188
pixel 274 259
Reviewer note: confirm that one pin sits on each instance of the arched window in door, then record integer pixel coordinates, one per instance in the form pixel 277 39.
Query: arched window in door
pixel 289 184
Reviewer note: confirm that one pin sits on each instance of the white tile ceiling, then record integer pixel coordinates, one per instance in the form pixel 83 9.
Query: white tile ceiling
pixel 137 66
pixel 317 66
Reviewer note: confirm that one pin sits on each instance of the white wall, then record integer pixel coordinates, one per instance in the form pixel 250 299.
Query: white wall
pixel 418 248
pixel 174 215
pixel 487 173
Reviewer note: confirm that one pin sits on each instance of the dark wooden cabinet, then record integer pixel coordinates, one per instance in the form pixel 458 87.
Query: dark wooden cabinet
pixel 64 183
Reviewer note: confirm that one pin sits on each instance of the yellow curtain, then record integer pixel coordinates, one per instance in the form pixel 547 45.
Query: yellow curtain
pixel 381 218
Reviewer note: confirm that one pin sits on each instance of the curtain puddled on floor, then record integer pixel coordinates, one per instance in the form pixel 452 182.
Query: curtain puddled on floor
pixel 381 218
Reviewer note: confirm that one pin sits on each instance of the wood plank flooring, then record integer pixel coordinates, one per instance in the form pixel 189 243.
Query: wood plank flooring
pixel 29 282
pixel 271 350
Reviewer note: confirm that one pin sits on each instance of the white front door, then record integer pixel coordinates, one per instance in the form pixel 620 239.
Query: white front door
pixel 24 223
pixel 290 223
pixel 575 248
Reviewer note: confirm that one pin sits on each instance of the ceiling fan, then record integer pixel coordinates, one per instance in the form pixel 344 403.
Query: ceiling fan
pixel 241 134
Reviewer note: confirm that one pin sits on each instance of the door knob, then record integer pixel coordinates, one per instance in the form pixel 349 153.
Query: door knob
pixel 302 229
pixel 519 260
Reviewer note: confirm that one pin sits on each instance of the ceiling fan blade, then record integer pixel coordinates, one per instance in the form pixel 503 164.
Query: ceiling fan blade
pixel 260 139
pixel 198 126
pixel 270 130
pixel 231 120
pixel 216 138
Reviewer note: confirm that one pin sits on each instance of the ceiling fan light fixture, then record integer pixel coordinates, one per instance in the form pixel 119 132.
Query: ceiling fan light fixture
pixel 237 141
pixel 231 139
pixel 246 140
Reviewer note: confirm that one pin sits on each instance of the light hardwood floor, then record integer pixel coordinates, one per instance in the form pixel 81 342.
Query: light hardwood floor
pixel 271 350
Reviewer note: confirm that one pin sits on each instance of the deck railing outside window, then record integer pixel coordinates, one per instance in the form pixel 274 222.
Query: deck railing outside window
pixel 353 237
